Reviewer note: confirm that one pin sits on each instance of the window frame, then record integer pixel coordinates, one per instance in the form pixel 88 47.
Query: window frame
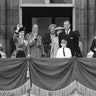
pixel 47 4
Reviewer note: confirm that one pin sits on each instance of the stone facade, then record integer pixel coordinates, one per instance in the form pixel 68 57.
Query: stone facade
pixel 9 17
pixel 85 21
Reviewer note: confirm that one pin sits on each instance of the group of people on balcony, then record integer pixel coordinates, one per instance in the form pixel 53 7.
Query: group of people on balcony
pixel 60 42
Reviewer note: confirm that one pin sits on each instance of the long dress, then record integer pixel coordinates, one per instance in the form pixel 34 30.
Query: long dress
pixel 54 47
pixel 35 46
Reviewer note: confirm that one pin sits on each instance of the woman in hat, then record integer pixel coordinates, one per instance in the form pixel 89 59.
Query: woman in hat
pixel 55 42
pixel 20 44
pixel 47 39
pixel 15 33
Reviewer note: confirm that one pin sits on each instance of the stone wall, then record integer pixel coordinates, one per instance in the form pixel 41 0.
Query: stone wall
pixel 9 17
pixel 85 10
pixel 3 23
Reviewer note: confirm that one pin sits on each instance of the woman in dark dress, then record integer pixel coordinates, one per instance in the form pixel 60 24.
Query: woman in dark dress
pixel 20 44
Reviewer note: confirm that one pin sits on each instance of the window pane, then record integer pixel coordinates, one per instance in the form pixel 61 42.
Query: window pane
pixel 61 1
pixel 33 1
pixel 59 20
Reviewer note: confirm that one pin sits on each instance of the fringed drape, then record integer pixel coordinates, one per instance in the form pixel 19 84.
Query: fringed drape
pixel 85 90
pixel 18 91
pixel 82 71
pixel 48 77
pixel 13 77
pixel 62 92
pixel 74 86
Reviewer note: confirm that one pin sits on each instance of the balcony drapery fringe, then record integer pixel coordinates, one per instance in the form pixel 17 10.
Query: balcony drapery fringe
pixel 85 91
pixel 35 90
pixel 75 85
pixel 18 91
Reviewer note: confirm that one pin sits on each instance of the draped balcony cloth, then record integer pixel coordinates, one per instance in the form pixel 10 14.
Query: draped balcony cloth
pixel 48 77
pixel 13 79
pixel 61 77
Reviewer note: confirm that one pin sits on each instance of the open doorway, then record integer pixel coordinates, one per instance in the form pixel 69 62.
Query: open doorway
pixel 44 16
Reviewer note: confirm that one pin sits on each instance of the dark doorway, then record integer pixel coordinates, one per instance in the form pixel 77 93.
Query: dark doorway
pixel 44 16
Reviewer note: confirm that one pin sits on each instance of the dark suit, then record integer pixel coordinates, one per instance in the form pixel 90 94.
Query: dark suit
pixel 93 46
pixel 72 41
pixel 46 43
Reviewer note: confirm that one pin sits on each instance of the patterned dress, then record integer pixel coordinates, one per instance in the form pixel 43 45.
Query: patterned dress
pixel 35 46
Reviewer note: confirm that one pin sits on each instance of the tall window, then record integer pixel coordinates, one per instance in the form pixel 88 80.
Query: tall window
pixel 46 12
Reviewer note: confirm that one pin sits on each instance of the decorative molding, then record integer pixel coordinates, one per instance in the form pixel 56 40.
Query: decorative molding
pixel 47 5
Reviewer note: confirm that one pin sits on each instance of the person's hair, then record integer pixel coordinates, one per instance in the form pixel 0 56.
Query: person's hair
pixel 51 25
pixel 64 41
pixel 67 20
pixel 21 29
pixel 77 32
pixel 34 24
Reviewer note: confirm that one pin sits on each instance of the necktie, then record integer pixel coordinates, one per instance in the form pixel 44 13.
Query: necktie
pixel 66 32
pixel 63 52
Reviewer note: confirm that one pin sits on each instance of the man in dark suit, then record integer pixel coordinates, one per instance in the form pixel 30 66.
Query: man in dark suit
pixel 93 47
pixel 70 36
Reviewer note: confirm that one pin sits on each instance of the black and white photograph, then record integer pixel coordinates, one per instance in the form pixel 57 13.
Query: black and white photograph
pixel 47 47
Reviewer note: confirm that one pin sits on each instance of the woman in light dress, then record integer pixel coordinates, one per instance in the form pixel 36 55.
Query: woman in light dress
pixel 55 42
pixel 47 39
